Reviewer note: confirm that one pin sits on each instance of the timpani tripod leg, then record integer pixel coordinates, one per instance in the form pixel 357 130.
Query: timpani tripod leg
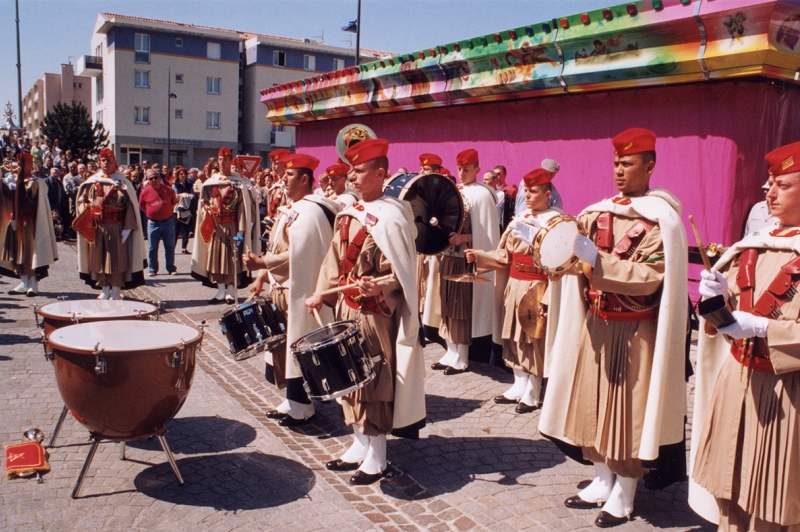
pixel 57 428
pixel 122 450
pixel 163 441
pixel 86 464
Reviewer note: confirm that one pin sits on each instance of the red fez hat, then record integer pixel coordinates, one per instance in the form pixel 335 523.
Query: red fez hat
pixel 636 140
pixel 224 152
pixel 300 160
pixel 430 159
pixel 367 150
pixel 275 155
pixel 540 176
pixel 444 171
pixel 467 157
pixel 106 153
pixel 337 169
pixel 784 160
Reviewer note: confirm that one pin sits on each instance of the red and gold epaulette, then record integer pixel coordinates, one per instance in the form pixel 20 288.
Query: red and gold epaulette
pixel 621 200
pixel 357 206
pixel 781 232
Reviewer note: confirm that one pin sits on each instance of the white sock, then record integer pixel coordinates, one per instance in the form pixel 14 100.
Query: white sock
pixel 229 290
pixel 450 356
pixel 299 410
pixel 33 284
pixel 23 284
pixel 518 388
pixel 532 391
pixel 375 461
pixel 358 450
pixel 600 488
pixel 284 407
pixel 106 293
pixel 620 502
pixel 220 291
pixel 462 360
pixel 115 292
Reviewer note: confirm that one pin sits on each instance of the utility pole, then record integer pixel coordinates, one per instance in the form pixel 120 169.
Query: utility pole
pixel 19 71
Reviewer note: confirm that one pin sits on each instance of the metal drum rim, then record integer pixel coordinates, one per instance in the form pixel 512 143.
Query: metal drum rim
pixel 168 347
pixel 537 243
pixel 119 317
pixel 294 347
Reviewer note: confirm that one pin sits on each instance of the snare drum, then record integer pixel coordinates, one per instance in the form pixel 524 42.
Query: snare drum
pixel 553 244
pixel 333 360
pixel 63 313
pixel 253 326
pixel 124 380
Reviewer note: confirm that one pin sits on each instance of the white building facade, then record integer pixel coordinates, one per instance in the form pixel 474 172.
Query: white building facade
pixel 50 90
pixel 214 76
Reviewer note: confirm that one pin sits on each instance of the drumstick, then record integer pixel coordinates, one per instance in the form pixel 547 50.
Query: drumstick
pixel 316 315
pixel 351 285
pixel 703 255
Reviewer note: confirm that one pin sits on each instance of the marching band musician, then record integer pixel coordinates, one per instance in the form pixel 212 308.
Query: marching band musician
pixel 335 187
pixel 464 305
pixel 228 219
pixel 522 352
pixel 110 242
pixel 375 237
pixel 26 228
pixel 618 392
pixel 277 193
pixel 430 163
pixel 745 449
pixel 299 240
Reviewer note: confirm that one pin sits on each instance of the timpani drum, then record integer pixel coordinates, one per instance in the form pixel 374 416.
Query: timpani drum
pixel 63 313
pixel 553 244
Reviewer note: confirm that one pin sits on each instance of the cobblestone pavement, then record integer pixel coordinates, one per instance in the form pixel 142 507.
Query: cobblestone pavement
pixel 476 466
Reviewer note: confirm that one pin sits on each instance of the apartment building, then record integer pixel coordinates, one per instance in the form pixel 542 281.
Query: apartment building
pixel 51 89
pixel 194 87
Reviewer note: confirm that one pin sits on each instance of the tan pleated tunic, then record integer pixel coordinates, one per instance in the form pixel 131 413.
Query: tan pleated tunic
pixel 749 451
pixel 612 375
pixel 456 298
pixel 371 407
pixel 520 351
pixel 109 258
pixel 276 260
pixel 19 249
pixel 219 262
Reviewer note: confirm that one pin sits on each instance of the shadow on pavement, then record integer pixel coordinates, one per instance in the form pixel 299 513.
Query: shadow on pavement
pixel 201 434
pixel 441 408
pixel 11 339
pixel 440 465
pixel 234 481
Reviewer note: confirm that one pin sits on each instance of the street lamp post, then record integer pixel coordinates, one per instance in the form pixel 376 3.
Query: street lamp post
pixel 355 27
pixel 169 114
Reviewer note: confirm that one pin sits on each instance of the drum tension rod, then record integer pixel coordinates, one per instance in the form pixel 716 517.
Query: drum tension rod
pixel 100 366
pixel 48 355
pixel 36 316
pixel 177 356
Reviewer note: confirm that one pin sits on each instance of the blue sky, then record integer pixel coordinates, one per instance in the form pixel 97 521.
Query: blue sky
pixel 58 31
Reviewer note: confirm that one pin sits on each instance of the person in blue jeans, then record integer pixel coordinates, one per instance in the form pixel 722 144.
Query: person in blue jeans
pixel 158 200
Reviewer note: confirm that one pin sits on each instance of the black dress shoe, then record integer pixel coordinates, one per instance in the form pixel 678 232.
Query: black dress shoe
pixel 503 400
pixel 365 479
pixel 577 503
pixel 215 301
pixel 606 520
pixel 229 300
pixel 274 414
pixel 290 421
pixel 341 465
pixel 450 370
pixel 16 292
pixel 522 408
pixel 438 366
pixel 31 293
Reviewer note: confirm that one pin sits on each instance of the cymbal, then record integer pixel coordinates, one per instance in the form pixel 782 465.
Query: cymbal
pixel 528 312
pixel 466 278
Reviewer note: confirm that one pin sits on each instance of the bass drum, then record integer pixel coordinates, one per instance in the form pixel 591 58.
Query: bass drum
pixel 437 205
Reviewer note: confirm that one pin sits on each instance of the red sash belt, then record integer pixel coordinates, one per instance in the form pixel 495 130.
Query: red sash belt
pixel 613 307
pixel 227 217
pixel 523 268
pixel 755 355
pixel 111 216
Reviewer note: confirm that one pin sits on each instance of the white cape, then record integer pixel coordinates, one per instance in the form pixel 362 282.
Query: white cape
pixel 45 251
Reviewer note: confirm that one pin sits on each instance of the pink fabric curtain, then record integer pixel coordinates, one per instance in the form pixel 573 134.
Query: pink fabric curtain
pixel 712 138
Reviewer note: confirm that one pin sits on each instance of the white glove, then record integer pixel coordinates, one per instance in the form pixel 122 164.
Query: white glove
pixel 11 181
pixel 713 283
pixel 585 249
pixel 125 234
pixel 746 326
pixel 524 231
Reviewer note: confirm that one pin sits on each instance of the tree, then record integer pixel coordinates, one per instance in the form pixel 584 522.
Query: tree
pixel 71 125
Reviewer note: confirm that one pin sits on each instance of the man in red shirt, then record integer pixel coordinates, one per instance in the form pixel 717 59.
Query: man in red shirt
pixel 158 203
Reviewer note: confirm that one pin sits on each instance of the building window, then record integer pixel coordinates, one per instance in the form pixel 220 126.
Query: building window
pixel 141 115
pixel 179 42
pixel 178 78
pixel 212 85
pixel 141 48
pixel 338 64
pixel 278 58
pixel 142 79
pixel 178 113
pixel 98 117
pixel 309 62
pixel 213 50
pixel 212 120
pixel 98 50
pixel 98 89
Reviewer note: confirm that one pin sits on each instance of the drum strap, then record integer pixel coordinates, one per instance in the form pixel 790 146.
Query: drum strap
pixel 625 247
pixel 755 352
pixel 275 203
pixel 348 250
